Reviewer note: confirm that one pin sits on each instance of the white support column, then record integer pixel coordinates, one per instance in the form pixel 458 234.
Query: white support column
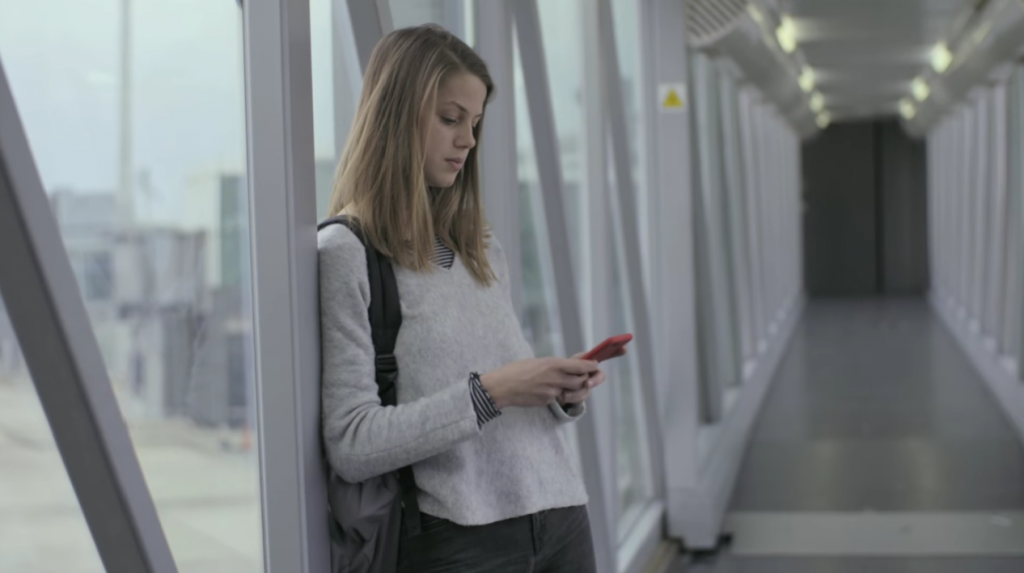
pixel 675 264
pixel 282 196
pixel 499 178
pixel 56 338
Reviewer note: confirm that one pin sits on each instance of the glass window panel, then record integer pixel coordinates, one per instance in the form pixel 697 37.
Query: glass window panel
pixel 633 471
pixel 41 524
pixel 337 82
pixel 454 15
pixel 539 320
pixel 561 32
pixel 138 131
pixel 626 16
pixel 561 25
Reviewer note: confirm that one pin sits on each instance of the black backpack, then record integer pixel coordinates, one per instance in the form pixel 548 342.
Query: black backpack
pixel 365 518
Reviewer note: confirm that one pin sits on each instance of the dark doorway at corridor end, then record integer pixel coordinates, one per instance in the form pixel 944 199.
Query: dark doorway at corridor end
pixel 865 224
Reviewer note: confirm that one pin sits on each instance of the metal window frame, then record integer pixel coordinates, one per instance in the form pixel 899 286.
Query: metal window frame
pixel 980 192
pixel 774 149
pixel 964 245
pixel 282 222
pixel 625 205
pixel 371 19
pixel 951 214
pixel 499 160
pixel 954 211
pixel 992 321
pixel 63 356
pixel 763 193
pixel 549 171
pixel 749 134
pixel 1014 337
pixel 945 186
pixel 348 73
pixel 721 365
pixel 735 182
pixel 937 153
pixel 595 290
pixel 937 145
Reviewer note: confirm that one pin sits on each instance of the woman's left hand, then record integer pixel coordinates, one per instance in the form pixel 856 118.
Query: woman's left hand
pixel 595 380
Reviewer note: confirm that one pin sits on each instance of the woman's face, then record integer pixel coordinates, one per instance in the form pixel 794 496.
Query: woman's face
pixel 449 132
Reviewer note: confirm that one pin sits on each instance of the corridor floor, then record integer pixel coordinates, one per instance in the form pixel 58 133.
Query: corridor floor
pixel 878 449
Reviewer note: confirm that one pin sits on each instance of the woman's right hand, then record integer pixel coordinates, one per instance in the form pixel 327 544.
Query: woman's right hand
pixel 536 381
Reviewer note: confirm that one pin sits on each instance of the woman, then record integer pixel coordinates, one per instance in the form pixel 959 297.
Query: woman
pixel 477 415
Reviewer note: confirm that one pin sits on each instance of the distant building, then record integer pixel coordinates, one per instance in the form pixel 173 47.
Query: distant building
pixel 145 291
pixel 12 365
pixel 223 375
pixel 325 169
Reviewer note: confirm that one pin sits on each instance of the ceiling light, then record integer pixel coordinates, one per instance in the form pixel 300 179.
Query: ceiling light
pixel 817 102
pixel 982 32
pixel 920 89
pixel 941 57
pixel 786 35
pixel 807 79
pixel 755 13
pixel 823 119
pixel 907 109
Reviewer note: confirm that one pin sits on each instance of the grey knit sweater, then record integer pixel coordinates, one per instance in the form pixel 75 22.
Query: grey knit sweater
pixel 515 465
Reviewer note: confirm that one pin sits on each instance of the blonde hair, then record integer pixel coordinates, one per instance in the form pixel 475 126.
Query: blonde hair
pixel 380 178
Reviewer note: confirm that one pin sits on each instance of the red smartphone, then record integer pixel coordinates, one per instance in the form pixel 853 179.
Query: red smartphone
pixel 609 347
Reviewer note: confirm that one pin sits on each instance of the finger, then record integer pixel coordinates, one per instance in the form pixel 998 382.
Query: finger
pixel 575 397
pixel 573 381
pixel 575 365
pixel 596 379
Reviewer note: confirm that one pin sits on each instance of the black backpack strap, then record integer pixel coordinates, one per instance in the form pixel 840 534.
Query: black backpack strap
pixel 385 322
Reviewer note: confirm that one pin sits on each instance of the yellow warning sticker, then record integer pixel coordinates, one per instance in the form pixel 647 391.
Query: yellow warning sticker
pixel 671 97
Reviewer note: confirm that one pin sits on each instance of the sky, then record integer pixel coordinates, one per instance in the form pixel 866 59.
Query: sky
pixel 62 60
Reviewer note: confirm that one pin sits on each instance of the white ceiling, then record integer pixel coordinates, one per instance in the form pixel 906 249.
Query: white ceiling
pixel 866 53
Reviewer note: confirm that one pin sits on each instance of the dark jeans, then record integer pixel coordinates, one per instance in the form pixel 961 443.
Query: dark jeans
pixel 553 541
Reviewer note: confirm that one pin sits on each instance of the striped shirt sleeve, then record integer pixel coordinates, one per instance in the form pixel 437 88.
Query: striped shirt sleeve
pixel 482 401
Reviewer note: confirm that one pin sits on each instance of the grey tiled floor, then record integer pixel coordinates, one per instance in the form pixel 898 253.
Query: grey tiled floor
pixel 876 407
pixel 856 565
